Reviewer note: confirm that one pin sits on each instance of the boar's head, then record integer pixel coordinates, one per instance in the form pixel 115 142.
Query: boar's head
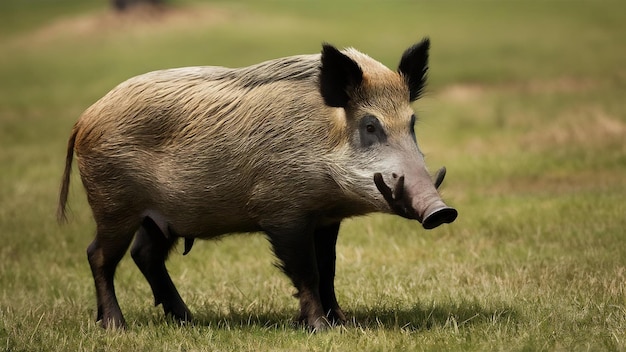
pixel 380 125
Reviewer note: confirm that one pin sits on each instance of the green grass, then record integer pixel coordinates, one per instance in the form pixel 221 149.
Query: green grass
pixel 525 108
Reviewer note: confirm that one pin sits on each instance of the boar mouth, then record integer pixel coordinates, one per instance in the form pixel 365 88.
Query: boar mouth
pixel 427 207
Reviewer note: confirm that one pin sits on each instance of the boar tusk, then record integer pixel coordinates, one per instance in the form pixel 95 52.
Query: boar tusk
pixel 188 245
pixel 398 190
pixel 382 187
pixel 396 202
pixel 439 176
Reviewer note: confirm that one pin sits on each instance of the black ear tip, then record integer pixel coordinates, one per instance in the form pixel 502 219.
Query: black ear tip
pixel 414 65
pixel 423 45
pixel 329 50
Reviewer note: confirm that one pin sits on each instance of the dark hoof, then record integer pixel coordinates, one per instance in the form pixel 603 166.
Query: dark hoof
pixel 336 317
pixel 183 315
pixel 320 324
pixel 314 325
pixel 113 324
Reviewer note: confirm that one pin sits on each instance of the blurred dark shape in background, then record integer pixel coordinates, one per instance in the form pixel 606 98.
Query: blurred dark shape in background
pixel 123 5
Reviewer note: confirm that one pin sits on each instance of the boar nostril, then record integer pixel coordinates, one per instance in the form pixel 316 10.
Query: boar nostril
pixel 440 216
pixel 394 175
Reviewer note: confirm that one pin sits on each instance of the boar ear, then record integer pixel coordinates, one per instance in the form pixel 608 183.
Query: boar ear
pixel 413 67
pixel 339 75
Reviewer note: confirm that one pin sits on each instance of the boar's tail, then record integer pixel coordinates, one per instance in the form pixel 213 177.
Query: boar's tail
pixel 65 181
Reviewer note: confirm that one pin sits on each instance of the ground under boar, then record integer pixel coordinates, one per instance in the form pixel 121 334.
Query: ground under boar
pixel 288 147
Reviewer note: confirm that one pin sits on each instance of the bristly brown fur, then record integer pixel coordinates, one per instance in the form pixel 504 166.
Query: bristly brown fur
pixel 278 147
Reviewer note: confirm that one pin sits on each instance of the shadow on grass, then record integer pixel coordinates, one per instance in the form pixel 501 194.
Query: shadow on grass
pixel 433 316
pixel 420 317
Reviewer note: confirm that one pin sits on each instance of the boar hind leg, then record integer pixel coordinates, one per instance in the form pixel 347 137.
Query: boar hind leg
pixel 296 251
pixel 325 242
pixel 104 253
pixel 149 252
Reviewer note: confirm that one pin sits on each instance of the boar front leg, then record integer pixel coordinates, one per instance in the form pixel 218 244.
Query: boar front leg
pixel 325 244
pixel 295 248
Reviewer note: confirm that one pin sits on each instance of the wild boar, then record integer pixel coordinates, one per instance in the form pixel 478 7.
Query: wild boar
pixel 289 147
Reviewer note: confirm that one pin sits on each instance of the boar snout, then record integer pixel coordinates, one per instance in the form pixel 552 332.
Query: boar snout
pixel 438 214
pixel 419 201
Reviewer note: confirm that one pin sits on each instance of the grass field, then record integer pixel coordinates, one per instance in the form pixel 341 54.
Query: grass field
pixel 526 107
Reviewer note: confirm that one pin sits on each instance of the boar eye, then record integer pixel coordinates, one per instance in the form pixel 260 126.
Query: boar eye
pixel 371 131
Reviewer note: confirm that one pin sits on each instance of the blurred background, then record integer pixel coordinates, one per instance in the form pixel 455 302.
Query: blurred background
pixel 525 106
